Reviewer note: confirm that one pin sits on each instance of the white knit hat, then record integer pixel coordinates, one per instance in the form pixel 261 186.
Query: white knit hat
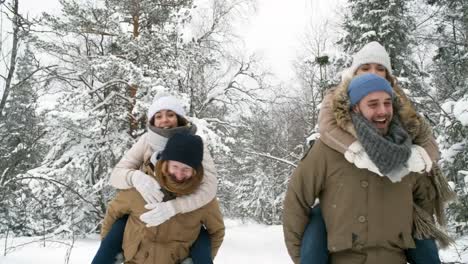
pixel 165 101
pixel 372 52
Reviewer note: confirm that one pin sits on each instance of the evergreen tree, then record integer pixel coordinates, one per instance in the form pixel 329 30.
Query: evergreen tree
pixel 106 78
pixel 22 131
pixel 450 80
pixel 270 141
pixel 390 23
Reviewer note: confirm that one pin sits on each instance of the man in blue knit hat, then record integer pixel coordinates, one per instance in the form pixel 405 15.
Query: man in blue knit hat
pixel 368 212
pixel 371 96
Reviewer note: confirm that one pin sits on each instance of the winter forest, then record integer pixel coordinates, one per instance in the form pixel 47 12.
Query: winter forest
pixel 75 87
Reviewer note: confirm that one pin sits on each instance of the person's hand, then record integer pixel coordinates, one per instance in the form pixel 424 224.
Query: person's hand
pixel 158 214
pixel 419 160
pixel 148 187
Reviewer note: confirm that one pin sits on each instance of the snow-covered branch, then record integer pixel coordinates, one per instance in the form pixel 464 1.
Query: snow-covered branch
pixel 26 177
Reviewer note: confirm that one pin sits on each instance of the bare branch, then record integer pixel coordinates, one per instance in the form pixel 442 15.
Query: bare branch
pixel 266 155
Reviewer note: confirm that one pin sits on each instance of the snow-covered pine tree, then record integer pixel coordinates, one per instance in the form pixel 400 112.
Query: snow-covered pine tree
pixel 390 23
pixel 21 137
pixel 267 144
pixel 112 58
pixel 450 81
pixel 21 127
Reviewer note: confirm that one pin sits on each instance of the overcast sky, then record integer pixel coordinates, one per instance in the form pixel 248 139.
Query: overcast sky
pixel 279 25
pixel 275 30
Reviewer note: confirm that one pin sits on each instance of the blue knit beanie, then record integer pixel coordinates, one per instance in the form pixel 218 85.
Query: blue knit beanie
pixel 364 84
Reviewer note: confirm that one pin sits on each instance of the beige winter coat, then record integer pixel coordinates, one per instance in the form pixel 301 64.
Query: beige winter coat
pixel 142 150
pixel 368 218
pixel 168 243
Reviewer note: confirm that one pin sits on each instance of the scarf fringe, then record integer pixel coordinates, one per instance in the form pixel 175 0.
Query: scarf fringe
pixel 425 228
pixel 444 193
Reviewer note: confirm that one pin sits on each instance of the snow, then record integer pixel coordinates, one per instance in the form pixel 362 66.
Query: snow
pixel 313 137
pixel 460 110
pixel 449 154
pixel 244 243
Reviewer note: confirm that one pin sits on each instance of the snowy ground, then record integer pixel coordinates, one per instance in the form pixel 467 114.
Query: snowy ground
pixel 244 243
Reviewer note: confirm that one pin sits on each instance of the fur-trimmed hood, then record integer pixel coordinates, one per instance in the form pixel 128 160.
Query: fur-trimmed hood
pixel 413 123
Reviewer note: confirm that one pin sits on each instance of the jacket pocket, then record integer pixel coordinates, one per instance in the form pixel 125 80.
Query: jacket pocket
pixel 340 243
pixel 133 251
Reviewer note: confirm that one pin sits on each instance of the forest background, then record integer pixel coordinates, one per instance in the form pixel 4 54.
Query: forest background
pixel 75 86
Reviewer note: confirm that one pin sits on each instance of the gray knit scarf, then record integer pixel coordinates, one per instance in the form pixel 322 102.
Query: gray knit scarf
pixel 390 152
pixel 167 133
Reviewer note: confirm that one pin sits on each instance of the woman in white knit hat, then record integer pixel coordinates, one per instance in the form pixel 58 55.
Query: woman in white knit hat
pixel 166 117
pixel 373 58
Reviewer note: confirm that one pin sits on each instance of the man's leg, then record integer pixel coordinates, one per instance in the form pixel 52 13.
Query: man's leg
pixel 426 252
pixel 111 245
pixel 200 252
pixel 314 242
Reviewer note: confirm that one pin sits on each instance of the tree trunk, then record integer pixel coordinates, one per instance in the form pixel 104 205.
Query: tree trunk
pixel 15 21
pixel 133 123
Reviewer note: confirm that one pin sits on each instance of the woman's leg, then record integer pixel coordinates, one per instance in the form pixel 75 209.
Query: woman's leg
pixel 314 241
pixel 426 252
pixel 111 245
pixel 200 251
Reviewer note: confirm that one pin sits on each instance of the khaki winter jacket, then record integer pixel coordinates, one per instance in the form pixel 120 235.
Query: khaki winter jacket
pixel 337 131
pixel 142 150
pixel 168 243
pixel 366 215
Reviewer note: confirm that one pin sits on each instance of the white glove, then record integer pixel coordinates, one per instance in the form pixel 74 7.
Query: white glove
pixel 419 160
pixel 158 214
pixel 357 155
pixel 147 186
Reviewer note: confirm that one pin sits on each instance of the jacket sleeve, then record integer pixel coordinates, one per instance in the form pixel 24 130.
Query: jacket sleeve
pixel 118 207
pixel 304 187
pixel 121 176
pixel 330 133
pixel 205 193
pixel 215 226
pixel 424 193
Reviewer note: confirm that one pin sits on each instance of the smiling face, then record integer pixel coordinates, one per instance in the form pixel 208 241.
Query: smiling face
pixel 165 119
pixel 179 171
pixel 377 107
